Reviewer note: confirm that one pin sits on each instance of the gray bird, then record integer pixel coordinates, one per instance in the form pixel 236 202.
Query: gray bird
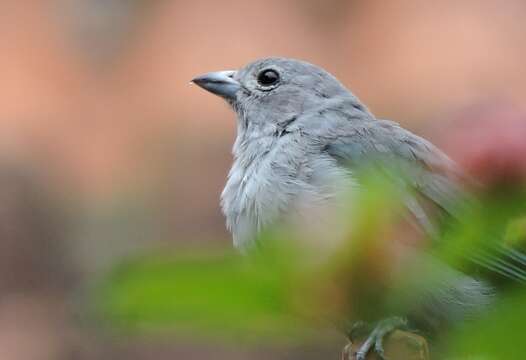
pixel 300 137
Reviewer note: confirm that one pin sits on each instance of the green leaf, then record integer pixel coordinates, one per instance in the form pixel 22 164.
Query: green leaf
pixel 215 294
pixel 499 334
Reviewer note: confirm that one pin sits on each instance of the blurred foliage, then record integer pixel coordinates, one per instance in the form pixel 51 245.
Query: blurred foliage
pixel 499 334
pixel 285 290
pixel 203 293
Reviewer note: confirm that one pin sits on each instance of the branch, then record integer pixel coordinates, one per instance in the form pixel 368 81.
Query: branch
pixel 400 345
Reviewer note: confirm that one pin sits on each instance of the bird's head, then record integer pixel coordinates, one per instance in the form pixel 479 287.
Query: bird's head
pixel 273 90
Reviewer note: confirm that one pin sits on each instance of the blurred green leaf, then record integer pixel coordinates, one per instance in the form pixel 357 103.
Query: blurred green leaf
pixel 516 232
pixel 498 335
pixel 216 294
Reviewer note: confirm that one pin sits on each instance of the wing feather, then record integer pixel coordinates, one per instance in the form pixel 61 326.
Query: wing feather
pixel 432 175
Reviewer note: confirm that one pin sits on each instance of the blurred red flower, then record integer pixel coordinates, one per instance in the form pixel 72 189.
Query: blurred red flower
pixel 489 142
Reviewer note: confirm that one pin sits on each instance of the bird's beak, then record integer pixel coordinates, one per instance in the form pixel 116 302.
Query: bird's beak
pixel 221 83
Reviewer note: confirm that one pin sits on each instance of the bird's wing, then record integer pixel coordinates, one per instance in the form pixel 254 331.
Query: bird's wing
pixel 433 176
pixel 427 170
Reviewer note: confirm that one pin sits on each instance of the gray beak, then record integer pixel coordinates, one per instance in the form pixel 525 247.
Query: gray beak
pixel 221 83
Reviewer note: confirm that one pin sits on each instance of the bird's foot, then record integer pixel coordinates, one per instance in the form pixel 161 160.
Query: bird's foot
pixel 374 342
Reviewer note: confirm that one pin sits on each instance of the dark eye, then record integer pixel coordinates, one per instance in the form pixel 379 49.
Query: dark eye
pixel 268 77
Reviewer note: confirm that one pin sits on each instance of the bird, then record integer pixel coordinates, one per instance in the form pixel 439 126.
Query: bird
pixel 302 136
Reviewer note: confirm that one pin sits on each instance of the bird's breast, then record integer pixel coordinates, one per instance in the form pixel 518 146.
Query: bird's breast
pixel 280 185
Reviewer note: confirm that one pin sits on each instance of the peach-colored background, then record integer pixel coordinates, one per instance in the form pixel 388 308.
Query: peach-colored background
pixel 96 108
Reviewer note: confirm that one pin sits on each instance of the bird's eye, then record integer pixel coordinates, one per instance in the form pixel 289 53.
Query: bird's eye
pixel 268 77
